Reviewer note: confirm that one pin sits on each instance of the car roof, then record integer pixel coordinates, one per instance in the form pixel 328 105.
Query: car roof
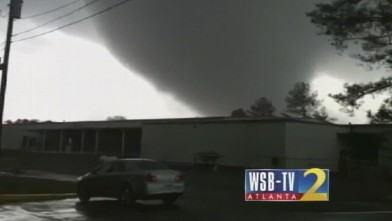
pixel 134 159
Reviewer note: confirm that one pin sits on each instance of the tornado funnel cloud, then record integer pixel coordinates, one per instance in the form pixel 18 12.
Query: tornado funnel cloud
pixel 215 55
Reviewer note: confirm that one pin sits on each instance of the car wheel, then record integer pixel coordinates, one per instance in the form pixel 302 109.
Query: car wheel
pixel 169 200
pixel 127 196
pixel 83 194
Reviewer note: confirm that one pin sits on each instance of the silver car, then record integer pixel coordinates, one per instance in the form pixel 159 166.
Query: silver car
pixel 130 180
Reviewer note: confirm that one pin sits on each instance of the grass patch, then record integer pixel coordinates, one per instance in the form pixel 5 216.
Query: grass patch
pixel 26 185
pixel 11 165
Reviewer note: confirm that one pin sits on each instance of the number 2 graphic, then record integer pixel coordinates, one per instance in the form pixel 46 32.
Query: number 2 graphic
pixel 311 194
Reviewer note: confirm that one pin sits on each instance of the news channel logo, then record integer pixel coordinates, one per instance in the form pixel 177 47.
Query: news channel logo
pixel 287 185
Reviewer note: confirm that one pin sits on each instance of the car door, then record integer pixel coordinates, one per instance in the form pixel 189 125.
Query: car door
pixel 115 182
pixel 98 181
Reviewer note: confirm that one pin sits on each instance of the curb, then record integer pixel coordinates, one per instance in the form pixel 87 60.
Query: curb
pixel 16 198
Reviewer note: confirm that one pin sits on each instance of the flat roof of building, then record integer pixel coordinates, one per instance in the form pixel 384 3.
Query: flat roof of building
pixel 137 123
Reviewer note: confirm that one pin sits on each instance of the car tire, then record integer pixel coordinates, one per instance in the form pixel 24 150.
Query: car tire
pixel 127 196
pixel 83 195
pixel 169 200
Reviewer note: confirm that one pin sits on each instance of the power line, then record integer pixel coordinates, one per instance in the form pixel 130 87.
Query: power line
pixel 56 19
pixel 51 10
pixel 75 22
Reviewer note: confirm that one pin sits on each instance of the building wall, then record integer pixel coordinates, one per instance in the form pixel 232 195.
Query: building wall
pixel 385 148
pixel 312 145
pixel 239 144
pixel 13 136
pixel 371 128
pixel 261 144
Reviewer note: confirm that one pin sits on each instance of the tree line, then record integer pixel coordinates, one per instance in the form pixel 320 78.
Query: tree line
pixel 300 100
pixel 35 121
pixel 365 26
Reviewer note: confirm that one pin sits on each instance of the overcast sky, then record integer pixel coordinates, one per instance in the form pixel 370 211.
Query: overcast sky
pixel 172 58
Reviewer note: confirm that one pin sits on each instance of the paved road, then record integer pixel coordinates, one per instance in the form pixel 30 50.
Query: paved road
pixel 202 207
pixel 209 196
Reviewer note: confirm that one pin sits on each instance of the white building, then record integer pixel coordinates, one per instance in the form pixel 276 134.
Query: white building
pixel 267 143
pixel 244 142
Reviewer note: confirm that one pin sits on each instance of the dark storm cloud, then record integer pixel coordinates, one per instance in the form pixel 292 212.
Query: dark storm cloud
pixel 216 55
pixel 84 29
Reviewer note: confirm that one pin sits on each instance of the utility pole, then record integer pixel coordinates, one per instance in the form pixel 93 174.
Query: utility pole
pixel 14 13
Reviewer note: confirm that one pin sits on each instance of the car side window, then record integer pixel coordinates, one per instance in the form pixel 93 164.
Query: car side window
pixel 104 168
pixel 120 167
pixel 111 168
pixel 116 167
pixel 130 166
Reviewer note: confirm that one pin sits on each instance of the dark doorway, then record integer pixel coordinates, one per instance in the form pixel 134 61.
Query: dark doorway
pixel 361 147
pixel 133 137
pixel 89 141
pixel 71 141
pixel 110 141
pixel 52 141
